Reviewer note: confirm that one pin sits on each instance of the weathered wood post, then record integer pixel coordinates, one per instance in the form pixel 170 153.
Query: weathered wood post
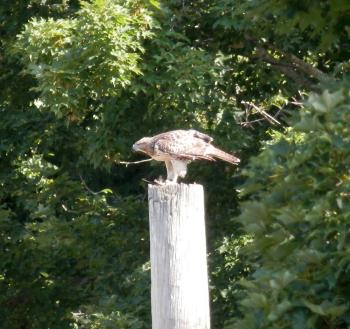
pixel 179 289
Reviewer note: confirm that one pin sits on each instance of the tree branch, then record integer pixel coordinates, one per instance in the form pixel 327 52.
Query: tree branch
pixel 286 68
pixel 292 66
pixel 305 67
pixel 296 77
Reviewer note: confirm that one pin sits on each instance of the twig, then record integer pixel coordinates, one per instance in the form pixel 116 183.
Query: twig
pixel 263 113
pixel 296 102
pixel 87 187
pixel 248 123
pixel 69 210
pixel 126 163
pixel 155 182
pixel 278 112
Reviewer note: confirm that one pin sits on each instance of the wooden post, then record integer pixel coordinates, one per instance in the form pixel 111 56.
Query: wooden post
pixel 179 290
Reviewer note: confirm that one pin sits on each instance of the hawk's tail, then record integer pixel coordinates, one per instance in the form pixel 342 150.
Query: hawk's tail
pixel 217 153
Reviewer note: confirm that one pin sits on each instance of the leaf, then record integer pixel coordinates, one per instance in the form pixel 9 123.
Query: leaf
pixel 255 300
pixel 331 100
pixel 107 191
pixel 155 3
pixel 44 274
pixel 318 309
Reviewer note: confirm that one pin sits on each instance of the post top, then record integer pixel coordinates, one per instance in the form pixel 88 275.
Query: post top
pixel 175 189
pixel 174 186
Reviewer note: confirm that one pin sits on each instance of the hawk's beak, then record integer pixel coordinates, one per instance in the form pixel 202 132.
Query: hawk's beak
pixel 135 147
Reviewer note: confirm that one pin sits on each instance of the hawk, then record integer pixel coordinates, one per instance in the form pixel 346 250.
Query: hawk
pixel 178 148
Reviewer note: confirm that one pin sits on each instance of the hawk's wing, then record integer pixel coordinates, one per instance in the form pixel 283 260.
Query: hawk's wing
pixel 202 136
pixel 183 145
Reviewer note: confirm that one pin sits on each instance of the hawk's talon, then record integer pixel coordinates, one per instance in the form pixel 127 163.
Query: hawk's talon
pixel 169 182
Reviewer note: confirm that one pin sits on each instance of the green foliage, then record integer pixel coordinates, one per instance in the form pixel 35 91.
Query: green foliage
pixel 298 213
pixel 78 62
pixel 90 74
pixel 227 274
pixel 325 22
pixel 65 240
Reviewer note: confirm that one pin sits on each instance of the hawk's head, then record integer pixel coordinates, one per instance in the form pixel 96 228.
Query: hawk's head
pixel 143 145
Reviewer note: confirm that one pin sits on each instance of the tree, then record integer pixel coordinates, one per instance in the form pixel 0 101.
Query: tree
pixel 298 215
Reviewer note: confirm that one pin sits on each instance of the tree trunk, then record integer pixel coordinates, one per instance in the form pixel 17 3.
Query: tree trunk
pixel 179 291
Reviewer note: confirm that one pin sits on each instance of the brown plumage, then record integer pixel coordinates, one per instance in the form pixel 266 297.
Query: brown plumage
pixel 178 147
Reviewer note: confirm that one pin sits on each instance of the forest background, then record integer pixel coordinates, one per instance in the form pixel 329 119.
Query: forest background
pixel 81 81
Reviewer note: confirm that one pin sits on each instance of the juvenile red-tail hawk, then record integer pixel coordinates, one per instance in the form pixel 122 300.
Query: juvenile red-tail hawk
pixel 179 147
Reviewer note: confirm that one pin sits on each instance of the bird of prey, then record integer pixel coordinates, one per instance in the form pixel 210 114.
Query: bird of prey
pixel 177 148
